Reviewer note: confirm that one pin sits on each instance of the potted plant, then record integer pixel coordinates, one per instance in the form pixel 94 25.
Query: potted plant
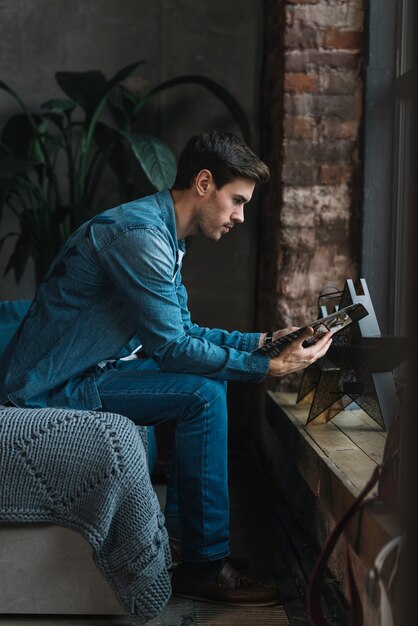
pixel 52 162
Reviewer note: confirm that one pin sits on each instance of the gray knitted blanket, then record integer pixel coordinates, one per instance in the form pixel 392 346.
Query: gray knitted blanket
pixel 88 471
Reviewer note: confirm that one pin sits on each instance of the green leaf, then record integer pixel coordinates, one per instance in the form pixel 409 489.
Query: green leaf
pixel 122 75
pixel 85 88
pixel 105 135
pixel 19 257
pixel 121 110
pixel 107 139
pixel 122 106
pixel 155 157
pixel 89 88
pixel 57 119
pixel 129 97
pixel 35 149
pixel 110 85
pixel 59 105
pixel 113 152
pixel 85 148
pixel 118 114
pixel 3 239
pixel 225 96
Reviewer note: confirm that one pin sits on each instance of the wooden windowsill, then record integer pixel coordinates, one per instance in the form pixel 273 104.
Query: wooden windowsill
pixel 336 460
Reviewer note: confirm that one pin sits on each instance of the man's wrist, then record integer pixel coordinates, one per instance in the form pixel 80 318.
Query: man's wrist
pixel 269 337
pixel 265 338
pixel 262 339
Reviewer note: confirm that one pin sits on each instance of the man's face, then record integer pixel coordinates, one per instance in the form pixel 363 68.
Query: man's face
pixel 224 208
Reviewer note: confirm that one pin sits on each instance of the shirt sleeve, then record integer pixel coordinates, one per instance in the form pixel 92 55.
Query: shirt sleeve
pixel 141 264
pixel 245 342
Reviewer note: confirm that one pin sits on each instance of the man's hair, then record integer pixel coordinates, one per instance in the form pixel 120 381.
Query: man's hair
pixel 226 157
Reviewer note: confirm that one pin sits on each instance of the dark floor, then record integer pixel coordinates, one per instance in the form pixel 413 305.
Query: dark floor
pixel 247 533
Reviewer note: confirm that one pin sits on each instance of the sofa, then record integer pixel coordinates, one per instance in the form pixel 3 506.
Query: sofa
pixel 81 530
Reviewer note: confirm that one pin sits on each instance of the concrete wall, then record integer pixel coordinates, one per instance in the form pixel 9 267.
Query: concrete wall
pixel 220 40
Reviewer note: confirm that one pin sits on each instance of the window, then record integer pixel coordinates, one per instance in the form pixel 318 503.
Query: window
pixel 387 172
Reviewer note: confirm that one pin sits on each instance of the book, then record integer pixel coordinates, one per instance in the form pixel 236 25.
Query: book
pixel 334 322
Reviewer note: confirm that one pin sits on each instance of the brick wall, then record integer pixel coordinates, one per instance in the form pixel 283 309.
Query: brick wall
pixel 311 116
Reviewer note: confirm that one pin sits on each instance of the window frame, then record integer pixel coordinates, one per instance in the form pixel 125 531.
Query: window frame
pixel 387 147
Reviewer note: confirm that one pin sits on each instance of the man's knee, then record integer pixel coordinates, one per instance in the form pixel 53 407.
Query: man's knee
pixel 212 391
pixel 205 395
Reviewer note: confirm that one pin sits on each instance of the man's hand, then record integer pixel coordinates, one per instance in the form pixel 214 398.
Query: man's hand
pixel 294 356
pixel 277 334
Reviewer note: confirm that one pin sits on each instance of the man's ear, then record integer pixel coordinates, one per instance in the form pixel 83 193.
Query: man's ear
pixel 203 182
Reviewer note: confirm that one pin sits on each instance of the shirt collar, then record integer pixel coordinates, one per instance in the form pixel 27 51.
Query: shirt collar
pixel 166 205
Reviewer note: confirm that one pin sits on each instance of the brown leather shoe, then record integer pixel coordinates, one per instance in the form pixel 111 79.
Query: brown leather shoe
pixel 239 562
pixel 230 588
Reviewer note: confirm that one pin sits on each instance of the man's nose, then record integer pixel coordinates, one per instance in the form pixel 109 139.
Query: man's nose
pixel 238 215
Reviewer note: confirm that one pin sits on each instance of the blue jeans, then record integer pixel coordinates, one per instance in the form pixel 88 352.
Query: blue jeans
pixel 139 390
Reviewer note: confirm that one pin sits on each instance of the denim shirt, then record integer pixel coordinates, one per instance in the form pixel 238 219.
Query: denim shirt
pixel 116 283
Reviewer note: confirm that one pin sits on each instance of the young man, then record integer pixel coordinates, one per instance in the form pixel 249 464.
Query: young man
pixel 109 329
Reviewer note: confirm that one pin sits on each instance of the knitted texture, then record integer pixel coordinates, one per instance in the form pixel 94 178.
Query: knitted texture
pixel 88 471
